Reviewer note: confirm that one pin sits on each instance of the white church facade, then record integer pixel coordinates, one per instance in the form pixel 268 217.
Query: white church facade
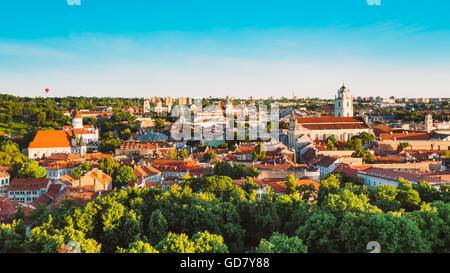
pixel 73 139
pixel 342 126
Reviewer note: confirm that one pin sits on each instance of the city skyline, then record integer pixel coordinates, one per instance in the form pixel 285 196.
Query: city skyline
pixel 202 49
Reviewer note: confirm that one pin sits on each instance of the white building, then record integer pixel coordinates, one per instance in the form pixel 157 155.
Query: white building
pixel 87 134
pixel 343 103
pixel 342 126
pixel 4 183
pixel 26 190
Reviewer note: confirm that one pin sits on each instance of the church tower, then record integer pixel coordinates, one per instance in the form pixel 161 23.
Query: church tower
pixel 77 121
pixel 429 123
pixel 146 105
pixel 343 103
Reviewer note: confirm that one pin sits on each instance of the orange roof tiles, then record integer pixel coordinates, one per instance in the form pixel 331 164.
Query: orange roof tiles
pixel 406 136
pixel 77 115
pixel 4 174
pixel 100 176
pixel 68 179
pixel 51 139
pixel 54 190
pixel 145 171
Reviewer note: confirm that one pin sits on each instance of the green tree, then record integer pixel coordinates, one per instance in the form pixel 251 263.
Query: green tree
pixel 125 134
pixel 408 197
pixel 395 234
pixel 159 123
pixel 82 169
pixel 281 243
pixel 291 184
pixel 427 192
pixel 172 154
pixel 205 242
pixel 138 247
pixel 157 227
pixel 331 143
pixel 32 169
pixel 347 201
pixel 319 232
pixel 183 154
pixel 209 156
pixel 109 166
pixel 259 152
pixel 330 184
pixel 445 154
pixel 124 175
pixel 176 243
pixel 39 215
pixel 403 145
pixel 12 237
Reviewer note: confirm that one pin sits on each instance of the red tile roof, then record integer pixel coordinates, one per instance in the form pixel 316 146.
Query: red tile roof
pixel 411 177
pixel 68 179
pixel 54 190
pixel 99 176
pixel 145 171
pixel 327 123
pixel 403 136
pixel 326 161
pixel 20 184
pixel 4 174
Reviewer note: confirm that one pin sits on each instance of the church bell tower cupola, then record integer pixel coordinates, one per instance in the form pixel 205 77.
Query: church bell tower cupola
pixel 343 103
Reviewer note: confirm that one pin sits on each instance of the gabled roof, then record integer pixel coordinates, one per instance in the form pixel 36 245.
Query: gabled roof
pixel 309 154
pixel 4 174
pixel 68 179
pixel 326 161
pixel 99 176
pixel 54 190
pixel 145 171
pixel 51 139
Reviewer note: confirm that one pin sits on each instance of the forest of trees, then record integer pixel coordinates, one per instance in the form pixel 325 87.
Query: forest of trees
pixel 212 215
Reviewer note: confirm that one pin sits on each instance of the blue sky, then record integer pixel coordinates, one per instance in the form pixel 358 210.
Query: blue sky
pixel 216 48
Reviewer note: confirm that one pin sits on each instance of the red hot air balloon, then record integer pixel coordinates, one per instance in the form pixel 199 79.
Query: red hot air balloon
pixel 47 90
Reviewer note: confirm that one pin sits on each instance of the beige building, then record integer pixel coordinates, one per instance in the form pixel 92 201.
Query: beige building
pixel 95 179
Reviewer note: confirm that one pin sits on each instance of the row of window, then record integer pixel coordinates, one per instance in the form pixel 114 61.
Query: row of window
pixel 22 199
pixel 4 181
pixel 24 192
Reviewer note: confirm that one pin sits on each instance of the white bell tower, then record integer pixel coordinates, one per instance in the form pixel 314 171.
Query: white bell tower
pixel 429 123
pixel 77 120
pixel 343 103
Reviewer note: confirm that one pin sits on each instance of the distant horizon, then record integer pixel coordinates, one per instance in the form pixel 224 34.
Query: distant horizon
pixel 237 98
pixel 235 48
